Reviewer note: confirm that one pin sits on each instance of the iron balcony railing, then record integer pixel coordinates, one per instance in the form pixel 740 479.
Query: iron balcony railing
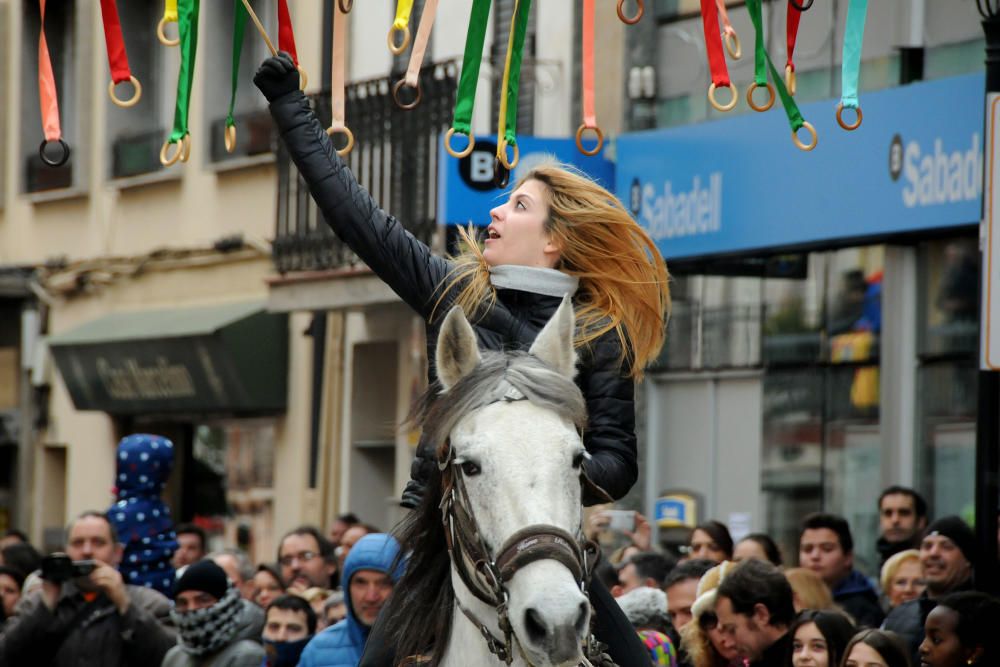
pixel 395 158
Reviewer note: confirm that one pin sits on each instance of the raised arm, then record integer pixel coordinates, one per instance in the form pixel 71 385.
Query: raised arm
pixel 405 263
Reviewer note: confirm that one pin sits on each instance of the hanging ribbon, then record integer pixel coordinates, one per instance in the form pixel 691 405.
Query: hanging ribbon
pixel 48 100
pixel 792 18
pixel 117 57
pixel 507 118
pixel 401 24
pixel 760 60
pixel 187 27
pixel 638 12
pixel 854 35
pixel 466 98
pixel 337 87
pixel 589 111
pixel 169 16
pixel 286 39
pixel 240 16
pixel 729 35
pixel 716 59
pixel 412 78
pixel 795 119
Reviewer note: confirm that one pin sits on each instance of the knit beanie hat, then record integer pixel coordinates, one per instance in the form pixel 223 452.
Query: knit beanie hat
pixel 203 576
pixel 958 532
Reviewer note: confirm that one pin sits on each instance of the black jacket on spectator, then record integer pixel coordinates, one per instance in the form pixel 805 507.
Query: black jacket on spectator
pixel 887 549
pixel 857 597
pixel 417 275
pixel 778 654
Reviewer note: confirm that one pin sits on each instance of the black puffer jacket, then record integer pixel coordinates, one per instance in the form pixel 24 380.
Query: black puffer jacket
pixel 417 275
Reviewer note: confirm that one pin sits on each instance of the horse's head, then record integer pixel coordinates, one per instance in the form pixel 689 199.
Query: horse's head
pixel 512 456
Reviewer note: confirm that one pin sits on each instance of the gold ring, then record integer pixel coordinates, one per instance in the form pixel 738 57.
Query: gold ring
pixel 186 145
pixel 634 19
pixel 502 154
pixel 230 138
pixel 161 33
pixel 458 154
pixel 840 118
pixel 395 95
pixel 770 100
pixel 798 142
pixel 579 139
pixel 346 6
pixel 130 102
pixel 166 160
pixel 790 79
pixel 393 47
pixel 303 79
pixel 350 138
pixel 732 41
pixel 718 107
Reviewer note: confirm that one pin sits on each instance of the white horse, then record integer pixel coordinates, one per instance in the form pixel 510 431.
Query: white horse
pixel 507 508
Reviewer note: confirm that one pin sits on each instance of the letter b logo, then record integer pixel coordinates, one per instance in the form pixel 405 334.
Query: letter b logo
pixel 476 168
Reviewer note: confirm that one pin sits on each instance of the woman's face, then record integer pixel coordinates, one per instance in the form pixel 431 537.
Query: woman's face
pixel 703 546
pixel 517 234
pixel 747 549
pixel 809 647
pixel 908 583
pixel 722 642
pixel 10 593
pixel 941 646
pixel 267 588
pixel 863 655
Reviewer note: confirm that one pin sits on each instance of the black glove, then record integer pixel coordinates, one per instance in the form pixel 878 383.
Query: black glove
pixel 277 76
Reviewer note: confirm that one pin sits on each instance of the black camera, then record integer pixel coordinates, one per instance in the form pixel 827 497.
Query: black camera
pixel 58 567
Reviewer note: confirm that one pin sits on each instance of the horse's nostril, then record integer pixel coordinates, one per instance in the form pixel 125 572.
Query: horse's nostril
pixel 535 626
pixel 581 619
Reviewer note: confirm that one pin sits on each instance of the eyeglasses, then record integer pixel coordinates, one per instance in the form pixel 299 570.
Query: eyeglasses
pixel 302 557
pixel 708 621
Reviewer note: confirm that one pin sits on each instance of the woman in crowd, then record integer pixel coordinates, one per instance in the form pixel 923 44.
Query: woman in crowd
pixel 875 648
pixel 267 584
pixel 963 629
pixel 759 546
pixel 901 577
pixel 703 640
pixel 808 590
pixel 710 540
pixel 819 638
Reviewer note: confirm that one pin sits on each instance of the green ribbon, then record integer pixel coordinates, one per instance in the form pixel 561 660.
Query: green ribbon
pixel 795 119
pixel 240 17
pixel 760 57
pixel 187 26
pixel 523 8
pixel 850 69
pixel 474 41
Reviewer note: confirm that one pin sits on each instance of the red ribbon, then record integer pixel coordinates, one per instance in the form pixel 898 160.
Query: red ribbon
pixel 792 30
pixel 117 57
pixel 286 37
pixel 47 96
pixel 589 110
pixel 713 43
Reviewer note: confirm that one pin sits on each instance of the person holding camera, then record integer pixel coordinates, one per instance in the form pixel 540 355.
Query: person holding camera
pixel 85 614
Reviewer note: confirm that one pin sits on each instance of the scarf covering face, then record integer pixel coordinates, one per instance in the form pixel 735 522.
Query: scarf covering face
pixel 285 654
pixel 207 630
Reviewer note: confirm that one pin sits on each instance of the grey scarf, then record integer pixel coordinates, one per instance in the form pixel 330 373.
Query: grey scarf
pixel 207 630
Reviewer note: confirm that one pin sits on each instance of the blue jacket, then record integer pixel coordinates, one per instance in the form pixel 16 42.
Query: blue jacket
pixel 856 596
pixel 343 644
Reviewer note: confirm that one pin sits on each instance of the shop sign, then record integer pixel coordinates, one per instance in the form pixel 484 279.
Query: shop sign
pixel 676 510
pixel 739 184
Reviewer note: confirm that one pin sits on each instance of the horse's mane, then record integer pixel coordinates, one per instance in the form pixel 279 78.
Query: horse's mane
pixel 418 614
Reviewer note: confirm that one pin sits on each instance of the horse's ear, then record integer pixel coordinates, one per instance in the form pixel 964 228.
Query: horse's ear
pixel 554 344
pixel 457 348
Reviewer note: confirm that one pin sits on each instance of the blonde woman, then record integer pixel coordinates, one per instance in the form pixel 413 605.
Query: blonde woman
pixel 809 591
pixel 706 644
pixel 902 578
pixel 557 234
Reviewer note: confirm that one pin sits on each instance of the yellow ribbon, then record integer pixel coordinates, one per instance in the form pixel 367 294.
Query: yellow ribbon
pixel 403 10
pixel 170 12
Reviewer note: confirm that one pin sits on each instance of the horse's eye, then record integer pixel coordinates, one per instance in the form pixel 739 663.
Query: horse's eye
pixel 578 460
pixel 470 468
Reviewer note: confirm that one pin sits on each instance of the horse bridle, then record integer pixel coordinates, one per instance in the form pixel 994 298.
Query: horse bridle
pixel 487 577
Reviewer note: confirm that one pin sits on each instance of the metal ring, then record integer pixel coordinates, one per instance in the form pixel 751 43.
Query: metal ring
pixel 230 138
pixel 350 138
pixel 579 139
pixel 458 154
pixel 802 7
pixel 732 41
pixel 501 174
pixel 130 102
pixel 63 157
pixel 162 35
pixel 719 107
pixel 347 5
pixel 168 160
pixel 186 145
pixel 798 142
pixel 790 79
pixel 840 118
pixel 638 14
pixel 393 47
pixel 303 79
pixel 395 95
pixel 770 100
pixel 502 154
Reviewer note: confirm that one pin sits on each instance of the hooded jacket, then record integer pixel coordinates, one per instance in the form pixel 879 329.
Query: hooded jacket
pixel 343 644
pixel 245 649
pixel 417 275
pixel 857 597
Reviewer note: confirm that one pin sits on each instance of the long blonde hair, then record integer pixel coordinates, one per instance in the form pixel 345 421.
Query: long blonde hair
pixel 624 284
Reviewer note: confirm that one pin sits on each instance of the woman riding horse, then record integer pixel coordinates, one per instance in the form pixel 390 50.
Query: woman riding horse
pixel 558 233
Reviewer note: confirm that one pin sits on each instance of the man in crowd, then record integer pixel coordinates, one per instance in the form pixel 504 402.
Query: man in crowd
pixel 754 607
pixel 191 541
pixel 290 624
pixel 902 516
pixel 643 569
pixel 306 559
pixel 340 526
pixel 827 548
pixel 237 566
pixel 217 626
pixel 368 581
pixel 348 540
pixel 681 586
pixel 83 619
pixel 948 559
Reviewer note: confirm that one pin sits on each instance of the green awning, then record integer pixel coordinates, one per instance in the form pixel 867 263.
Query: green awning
pixel 229 358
